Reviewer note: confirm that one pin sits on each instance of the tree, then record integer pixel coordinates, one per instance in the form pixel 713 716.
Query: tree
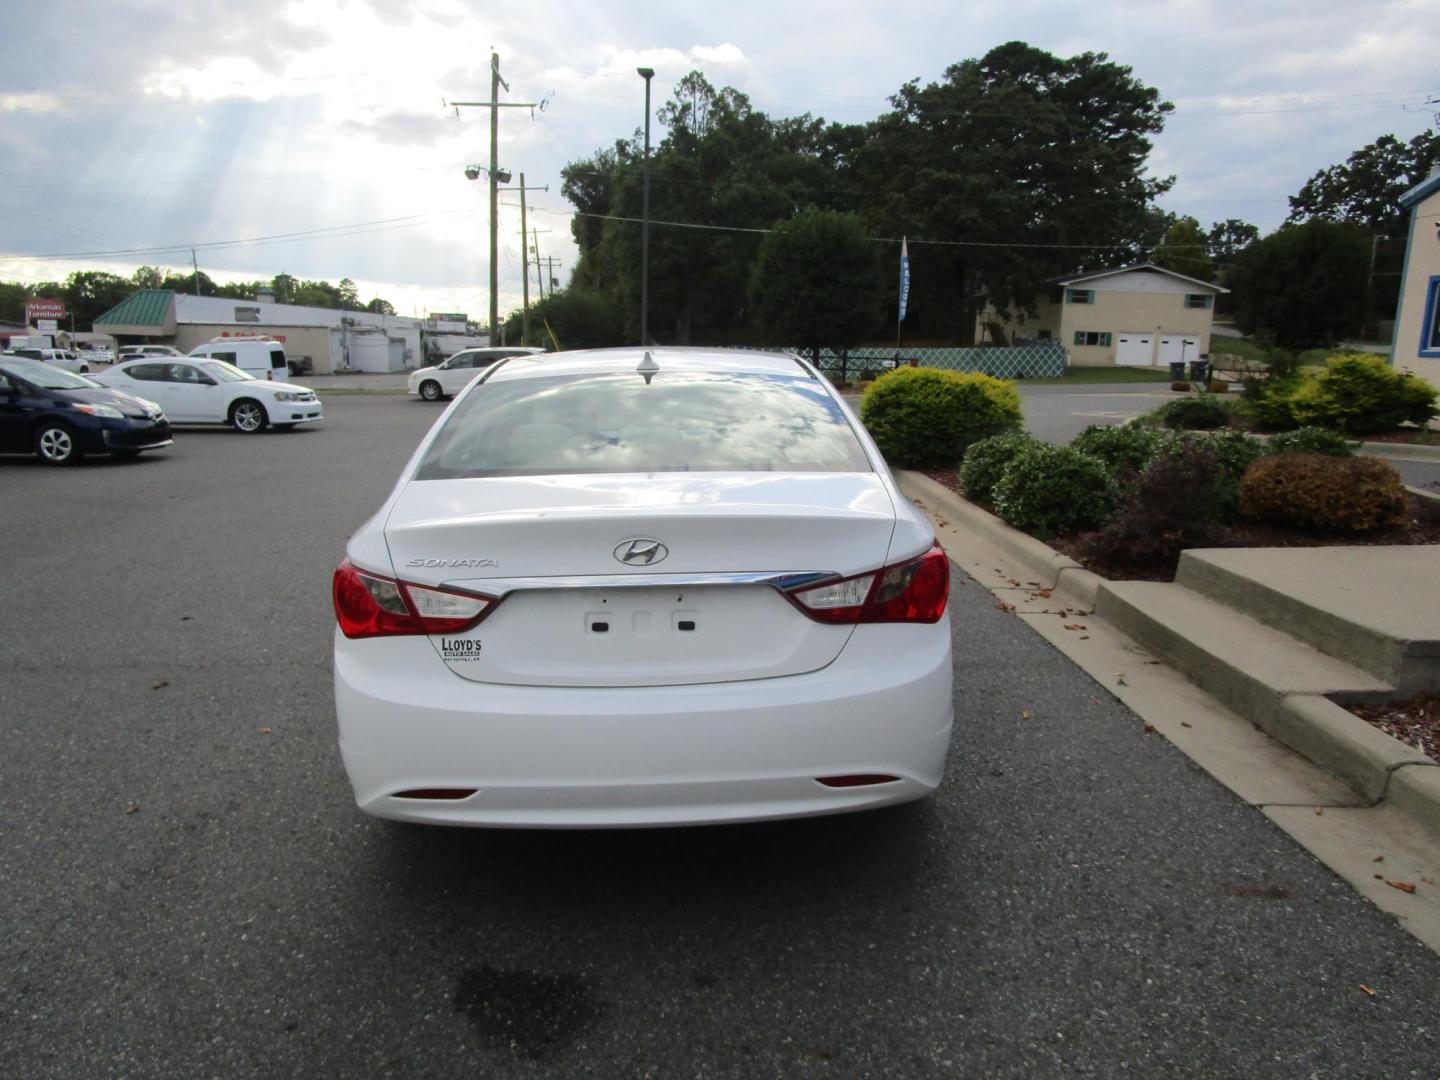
pixel 580 317
pixel 90 293
pixel 380 307
pixel 1226 239
pixel 817 283
pixel 348 294
pixel 1303 285
pixel 1027 165
pixel 1184 250
pixel 147 277
pixel 1366 189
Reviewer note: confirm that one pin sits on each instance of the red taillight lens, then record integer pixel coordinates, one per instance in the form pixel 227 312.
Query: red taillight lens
pixel 912 591
pixel 370 605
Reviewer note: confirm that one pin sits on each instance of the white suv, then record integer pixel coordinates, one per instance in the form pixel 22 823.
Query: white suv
pixel 449 378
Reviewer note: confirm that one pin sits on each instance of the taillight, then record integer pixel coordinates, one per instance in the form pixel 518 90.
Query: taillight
pixel 912 591
pixel 371 605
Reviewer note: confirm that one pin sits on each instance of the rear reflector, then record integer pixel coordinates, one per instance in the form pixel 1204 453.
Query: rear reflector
pixel 857 780
pixel 912 591
pixel 371 605
pixel 436 793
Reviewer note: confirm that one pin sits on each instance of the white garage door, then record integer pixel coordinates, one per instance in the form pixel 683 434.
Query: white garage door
pixel 1135 349
pixel 1178 347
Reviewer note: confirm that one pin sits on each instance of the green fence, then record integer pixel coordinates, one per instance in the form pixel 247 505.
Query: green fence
pixel 1035 360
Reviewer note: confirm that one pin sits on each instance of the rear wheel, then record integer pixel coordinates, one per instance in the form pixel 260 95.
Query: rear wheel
pixel 84 369
pixel 430 390
pixel 248 416
pixel 55 444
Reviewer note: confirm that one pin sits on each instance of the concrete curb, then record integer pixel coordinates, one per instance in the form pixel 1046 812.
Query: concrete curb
pixel 1402 451
pixel 1375 765
pixel 1344 745
pixel 1057 572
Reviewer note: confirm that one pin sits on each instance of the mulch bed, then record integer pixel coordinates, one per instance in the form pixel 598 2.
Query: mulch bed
pixel 1413 436
pixel 1415 722
pixel 1423 527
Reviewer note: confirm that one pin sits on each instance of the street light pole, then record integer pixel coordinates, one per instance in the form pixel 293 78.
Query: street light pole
pixel 524 272
pixel 494 194
pixel 647 74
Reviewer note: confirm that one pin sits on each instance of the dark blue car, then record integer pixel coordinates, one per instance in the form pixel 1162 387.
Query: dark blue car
pixel 60 417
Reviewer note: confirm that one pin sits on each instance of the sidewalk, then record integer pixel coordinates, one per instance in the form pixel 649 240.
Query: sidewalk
pixel 1239 664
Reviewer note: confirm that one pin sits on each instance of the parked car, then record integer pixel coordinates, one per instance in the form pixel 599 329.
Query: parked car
pixel 61 358
pixel 448 378
pixel 61 417
pixel 134 352
pixel 197 390
pixel 262 359
pixel 620 588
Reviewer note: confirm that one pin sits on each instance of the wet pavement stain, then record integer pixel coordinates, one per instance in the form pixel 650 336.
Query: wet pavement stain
pixel 531 1013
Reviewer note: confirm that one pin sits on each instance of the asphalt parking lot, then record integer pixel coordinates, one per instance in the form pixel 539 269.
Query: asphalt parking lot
pixel 186 888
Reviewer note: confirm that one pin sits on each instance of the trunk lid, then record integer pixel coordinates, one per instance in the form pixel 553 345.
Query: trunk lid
pixel 574 614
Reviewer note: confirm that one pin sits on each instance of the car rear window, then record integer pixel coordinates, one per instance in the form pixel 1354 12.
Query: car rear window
pixel 682 421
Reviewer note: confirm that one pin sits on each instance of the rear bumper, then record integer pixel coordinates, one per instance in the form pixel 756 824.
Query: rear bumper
pixel 574 757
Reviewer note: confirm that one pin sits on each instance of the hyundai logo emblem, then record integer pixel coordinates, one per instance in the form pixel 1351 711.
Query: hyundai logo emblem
pixel 642 551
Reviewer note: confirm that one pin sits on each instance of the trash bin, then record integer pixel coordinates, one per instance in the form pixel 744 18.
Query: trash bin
pixel 1177 370
pixel 1200 371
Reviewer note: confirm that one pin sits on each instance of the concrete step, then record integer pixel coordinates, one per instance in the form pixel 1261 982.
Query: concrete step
pixel 1239 661
pixel 1370 606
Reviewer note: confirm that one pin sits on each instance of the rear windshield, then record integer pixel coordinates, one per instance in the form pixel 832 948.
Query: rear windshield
pixel 614 423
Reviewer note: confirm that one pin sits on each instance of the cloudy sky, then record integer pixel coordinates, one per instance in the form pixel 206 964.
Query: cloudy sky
pixel 309 136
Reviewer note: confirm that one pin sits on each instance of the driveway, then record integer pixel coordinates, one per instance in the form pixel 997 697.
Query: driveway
pixel 186 888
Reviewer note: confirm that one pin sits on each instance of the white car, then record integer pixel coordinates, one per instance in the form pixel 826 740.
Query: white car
pixel 203 391
pixel 135 352
pixel 448 378
pixel 61 358
pixel 623 588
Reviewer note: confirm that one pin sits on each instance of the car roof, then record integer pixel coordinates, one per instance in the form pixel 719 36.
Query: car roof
pixel 629 358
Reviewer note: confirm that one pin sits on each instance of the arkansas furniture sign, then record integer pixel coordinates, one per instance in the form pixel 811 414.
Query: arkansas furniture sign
pixel 36 310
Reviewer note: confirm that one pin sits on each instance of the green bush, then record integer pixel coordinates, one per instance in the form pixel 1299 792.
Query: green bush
pixel 1311 440
pixel 1316 491
pixel 1049 490
pixel 1173 505
pixel 1200 412
pixel 1124 448
pixel 928 416
pixel 985 463
pixel 1269 403
pixel 1359 393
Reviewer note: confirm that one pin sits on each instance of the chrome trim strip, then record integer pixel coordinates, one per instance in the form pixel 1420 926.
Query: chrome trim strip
pixel 784 582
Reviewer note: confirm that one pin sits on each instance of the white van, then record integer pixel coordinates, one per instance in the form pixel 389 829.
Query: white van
pixel 264 359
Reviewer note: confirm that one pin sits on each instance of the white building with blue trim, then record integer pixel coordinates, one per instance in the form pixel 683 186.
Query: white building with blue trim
pixel 1416 345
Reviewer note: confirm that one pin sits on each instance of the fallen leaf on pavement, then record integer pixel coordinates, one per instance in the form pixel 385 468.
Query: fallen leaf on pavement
pixel 1154 661
pixel 161 683
pixel 1074 626
pixel 1149 728
pixel 1003 606
pixel 264 731
pixel 1378 858
pixel 132 808
pixel 1084 637
pixel 1186 723
pixel 1367 989
pixel 1403 886
pixel 1319 810
pixel 1024 714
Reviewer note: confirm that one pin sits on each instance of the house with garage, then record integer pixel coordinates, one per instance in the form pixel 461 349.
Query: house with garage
pixel 1416 345
pixel 1141 315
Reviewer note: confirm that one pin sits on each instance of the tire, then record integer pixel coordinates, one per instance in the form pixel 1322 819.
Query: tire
pixel 247 416
pixel 430 390
pixel 84 369
pixel 55 444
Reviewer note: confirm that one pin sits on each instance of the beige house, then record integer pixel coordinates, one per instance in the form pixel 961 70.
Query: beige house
pixel 1136 316
pixel 1416 346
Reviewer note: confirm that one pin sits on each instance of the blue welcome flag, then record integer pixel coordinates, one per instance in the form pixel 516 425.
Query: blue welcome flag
pixel 904 277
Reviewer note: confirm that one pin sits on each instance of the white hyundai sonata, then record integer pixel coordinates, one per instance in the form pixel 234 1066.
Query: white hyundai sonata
pixel 623 588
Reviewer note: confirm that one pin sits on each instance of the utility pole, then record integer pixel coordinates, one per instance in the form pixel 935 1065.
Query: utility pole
pixel 539 281
pixel 495 105
pixel 647 74
pixel 550 261
pixel 524 273
pixel 195 265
